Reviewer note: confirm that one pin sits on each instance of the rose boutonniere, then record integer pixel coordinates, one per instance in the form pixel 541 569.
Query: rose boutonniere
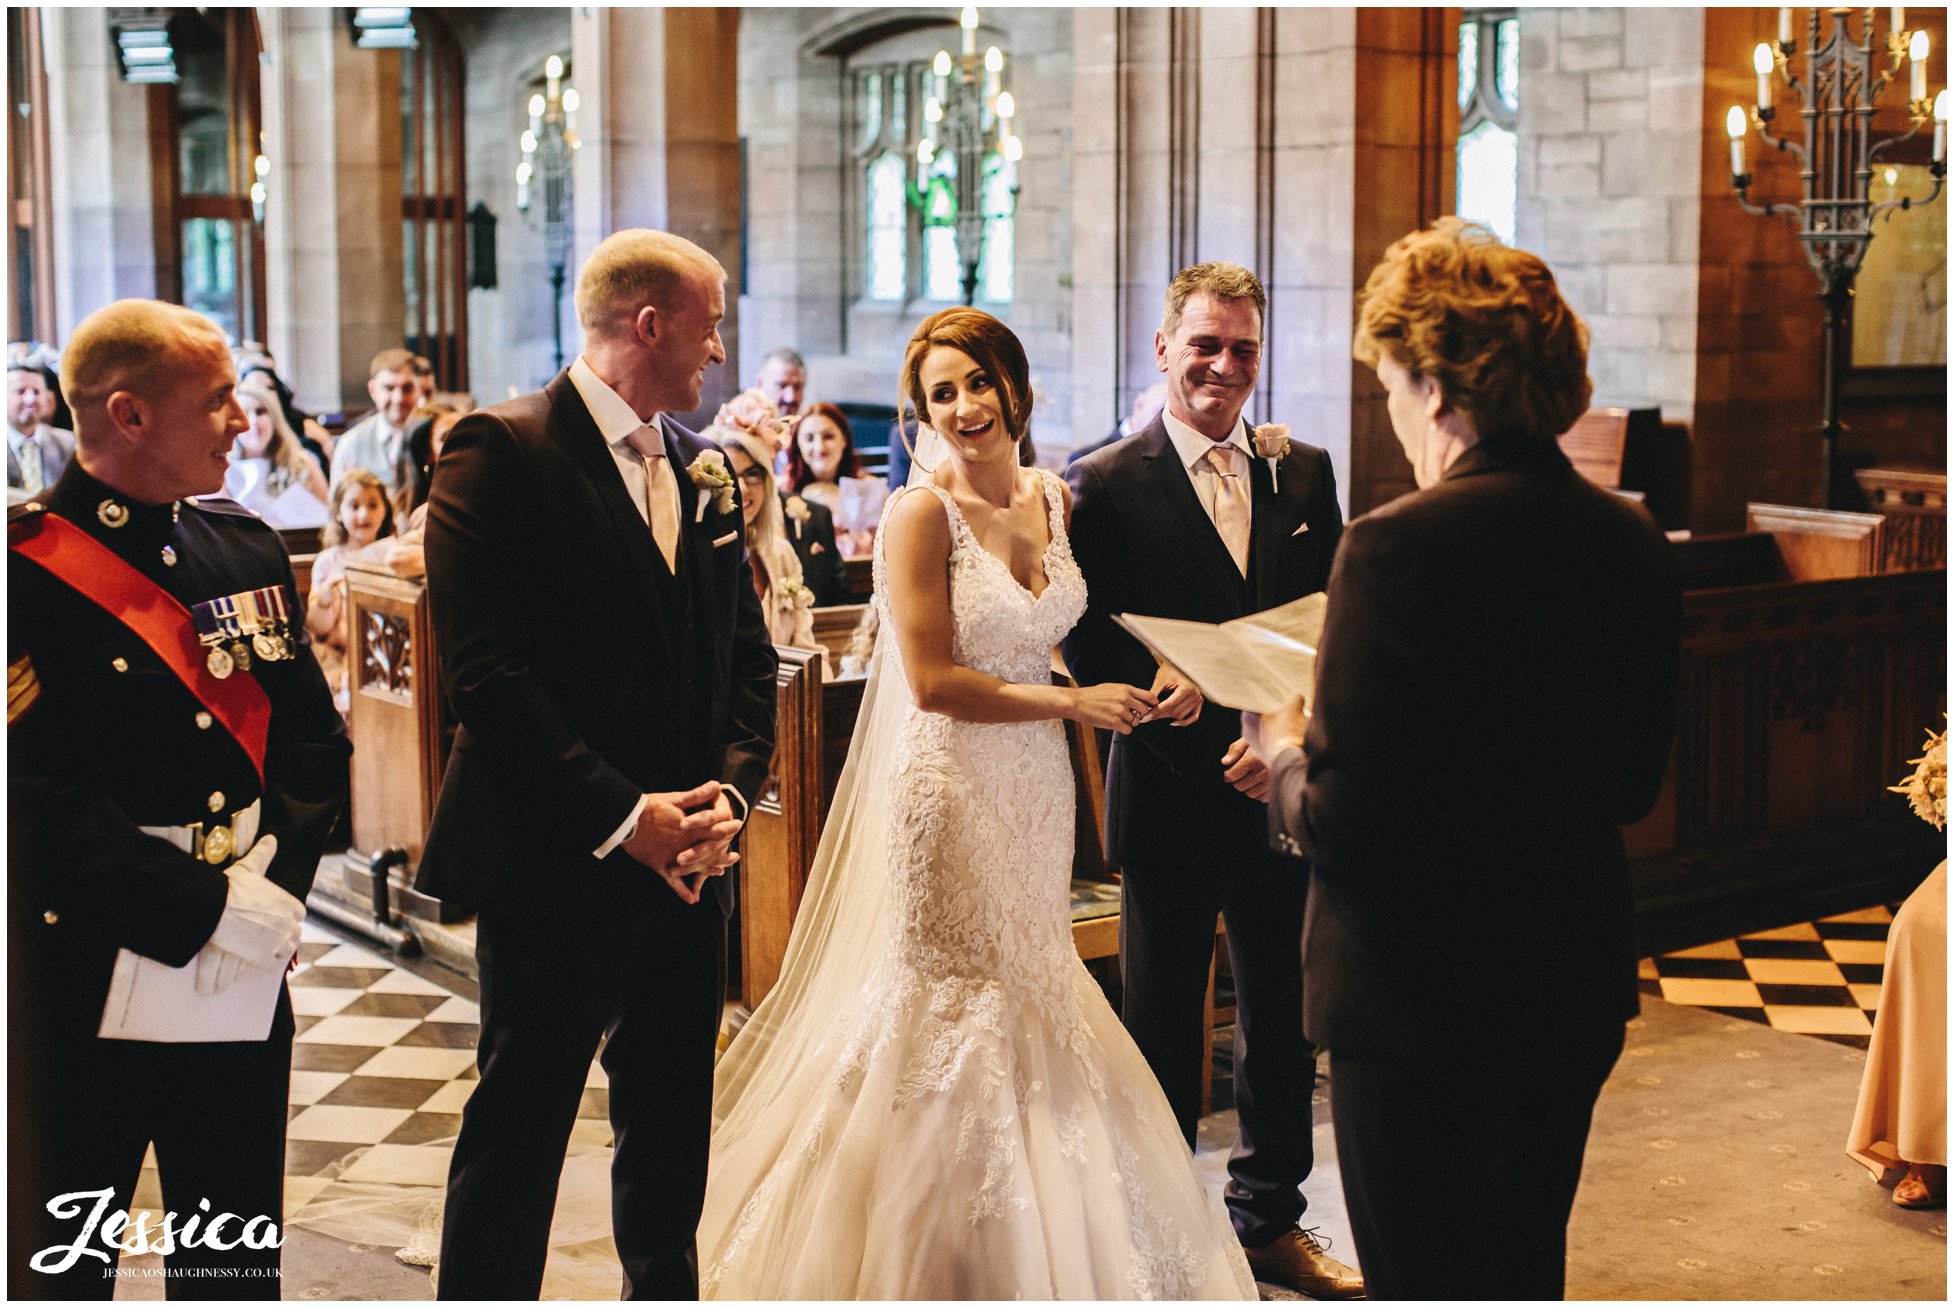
pixel 711 475
pixel 797 513
pixel 1271 441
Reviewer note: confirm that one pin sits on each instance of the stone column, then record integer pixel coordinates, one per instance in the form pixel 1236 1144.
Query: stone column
pixel 333 263
pixel 659 124
pixel 99 172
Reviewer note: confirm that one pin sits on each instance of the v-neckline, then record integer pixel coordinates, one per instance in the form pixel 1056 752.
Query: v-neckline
pixel 1044 556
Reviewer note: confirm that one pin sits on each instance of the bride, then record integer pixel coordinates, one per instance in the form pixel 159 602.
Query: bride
pixel 936 1101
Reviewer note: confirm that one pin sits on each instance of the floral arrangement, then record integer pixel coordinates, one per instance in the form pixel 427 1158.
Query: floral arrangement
pixel 797 513
pixel 710 473
pixel 1926 789
pixel 798 595
pixel 753 413
pixel 1271 441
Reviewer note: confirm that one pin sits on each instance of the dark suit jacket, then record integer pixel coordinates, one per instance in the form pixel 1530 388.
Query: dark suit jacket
pixel 822 569
pixel 583 672
pixel 1495 697
pixel 1147 546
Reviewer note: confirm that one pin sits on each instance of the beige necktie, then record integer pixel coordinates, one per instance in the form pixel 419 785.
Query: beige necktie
pixel 31 479
pixel 1230 505
pixel 661 491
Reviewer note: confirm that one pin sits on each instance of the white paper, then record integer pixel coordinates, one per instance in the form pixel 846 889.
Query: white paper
pixel 148 1001
pixel 860 503
pixel 1258 663
pixel 246 482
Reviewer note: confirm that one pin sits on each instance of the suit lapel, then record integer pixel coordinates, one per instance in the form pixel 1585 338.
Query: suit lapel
pixel 576 432
pixel 1190 521
pixel 1277 514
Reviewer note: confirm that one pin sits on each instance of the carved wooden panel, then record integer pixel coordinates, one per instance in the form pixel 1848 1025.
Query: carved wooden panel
pixel 386 656
pixel 1914 505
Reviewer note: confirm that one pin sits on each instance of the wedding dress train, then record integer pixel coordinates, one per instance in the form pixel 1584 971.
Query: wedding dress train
pixel 939 1103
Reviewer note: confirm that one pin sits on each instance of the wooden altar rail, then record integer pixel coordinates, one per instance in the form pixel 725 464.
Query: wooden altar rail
pixel 1808 679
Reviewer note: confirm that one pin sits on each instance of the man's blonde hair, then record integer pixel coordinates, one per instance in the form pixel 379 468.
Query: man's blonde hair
pixel 633 268
pixel 1224 281
pixel 132 345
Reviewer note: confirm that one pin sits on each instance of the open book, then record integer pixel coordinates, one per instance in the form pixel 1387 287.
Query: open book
pixel 1258 663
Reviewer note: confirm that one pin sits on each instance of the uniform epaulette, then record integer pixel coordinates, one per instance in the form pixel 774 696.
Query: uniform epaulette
pixel 23 520
pixel 222 505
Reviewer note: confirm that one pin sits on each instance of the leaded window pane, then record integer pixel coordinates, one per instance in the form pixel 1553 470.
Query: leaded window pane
pixel 1468 61
pixel 1507 79
pixel 1488 176
pixel 995 277
pixel 887 228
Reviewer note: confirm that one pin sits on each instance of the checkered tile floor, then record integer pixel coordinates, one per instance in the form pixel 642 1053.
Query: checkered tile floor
pixel 382 1063
pixel 1816 978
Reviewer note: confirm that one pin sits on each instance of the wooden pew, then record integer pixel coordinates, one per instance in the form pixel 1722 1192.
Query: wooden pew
pixel 1634 452
pixel 1807 680
pixel 1914 505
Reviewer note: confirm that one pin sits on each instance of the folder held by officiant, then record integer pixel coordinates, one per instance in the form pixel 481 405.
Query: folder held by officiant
pixel 1256 663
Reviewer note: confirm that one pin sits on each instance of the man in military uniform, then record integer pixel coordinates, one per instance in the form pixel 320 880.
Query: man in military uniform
pixel 175 764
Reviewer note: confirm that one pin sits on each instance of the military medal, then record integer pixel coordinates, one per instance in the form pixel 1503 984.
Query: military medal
pixel 241 654
pixel 218 662
pixel 265 645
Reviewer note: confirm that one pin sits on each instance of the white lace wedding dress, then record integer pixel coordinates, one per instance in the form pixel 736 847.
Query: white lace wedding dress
pixel 975 1124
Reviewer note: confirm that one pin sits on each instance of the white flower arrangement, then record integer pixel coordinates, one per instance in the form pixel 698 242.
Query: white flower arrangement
pixel 797 513
pixel 710 473
pixel 798 595
pixel 1271 441
pixel 1926 789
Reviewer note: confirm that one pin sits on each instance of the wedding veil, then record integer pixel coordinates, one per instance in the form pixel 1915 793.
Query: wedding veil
pixel 843 914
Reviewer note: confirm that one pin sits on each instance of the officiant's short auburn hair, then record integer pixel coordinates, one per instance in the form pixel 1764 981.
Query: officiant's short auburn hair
pixel 1487 321
pixel 632 268
pixel 991 345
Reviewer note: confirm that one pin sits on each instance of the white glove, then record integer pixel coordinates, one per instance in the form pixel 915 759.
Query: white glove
pixel 260 925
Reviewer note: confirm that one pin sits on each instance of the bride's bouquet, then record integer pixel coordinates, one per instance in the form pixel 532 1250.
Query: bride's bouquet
pixel 1926 789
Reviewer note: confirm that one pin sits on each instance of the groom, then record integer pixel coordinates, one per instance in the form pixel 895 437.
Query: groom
pixel 1191 518
pixel 605 651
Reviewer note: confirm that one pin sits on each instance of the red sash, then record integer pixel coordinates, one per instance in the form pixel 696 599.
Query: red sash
pixel 98 573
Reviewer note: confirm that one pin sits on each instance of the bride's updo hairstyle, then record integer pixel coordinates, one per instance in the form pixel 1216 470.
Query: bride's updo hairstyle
pixel 1485 320
pixel 994 348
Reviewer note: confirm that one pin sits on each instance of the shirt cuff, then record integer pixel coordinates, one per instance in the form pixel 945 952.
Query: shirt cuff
pixel 619 836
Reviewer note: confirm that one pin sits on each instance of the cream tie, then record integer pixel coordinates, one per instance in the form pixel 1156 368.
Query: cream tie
pixel 31 479
pixel 1230 505
pixel 661 491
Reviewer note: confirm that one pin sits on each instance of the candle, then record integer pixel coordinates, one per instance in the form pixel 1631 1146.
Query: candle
pixel 969 24
pixel 1940 128
pixel 1762 61
pixel 1899 19
pixel 1784 26
pixel 536 114
pixel 553 72
pixel 1735 124
pixel 1917 65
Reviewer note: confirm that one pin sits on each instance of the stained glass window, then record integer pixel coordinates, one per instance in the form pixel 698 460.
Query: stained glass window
pixel 995 281
pixel 888 229
pixel 942 270
pixel 1489 102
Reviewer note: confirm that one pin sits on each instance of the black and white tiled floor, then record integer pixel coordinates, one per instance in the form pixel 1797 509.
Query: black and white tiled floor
pixel 1816 978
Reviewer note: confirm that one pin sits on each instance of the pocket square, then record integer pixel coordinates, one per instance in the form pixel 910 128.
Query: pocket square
pixel 1300 530
pixel 727 539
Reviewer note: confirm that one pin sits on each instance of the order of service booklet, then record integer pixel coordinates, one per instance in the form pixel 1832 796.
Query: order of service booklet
pixel 1258 663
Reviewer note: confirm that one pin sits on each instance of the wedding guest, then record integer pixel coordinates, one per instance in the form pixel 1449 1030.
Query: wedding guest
pixel 361 514
pixel 397 381
pixel 420 453
pixel 1199 518
pixel 47 360
pixel 408 556
pixel 785 599
pixel 1146 405
pixel 1901 1120
pixel 783 380
pixel 37 454
pixel 312 434
pixel 270 437
pixel 811 529
pixel 1509 633
pixel 821 458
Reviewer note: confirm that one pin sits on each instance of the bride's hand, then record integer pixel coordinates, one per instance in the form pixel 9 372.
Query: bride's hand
pixel 1112 706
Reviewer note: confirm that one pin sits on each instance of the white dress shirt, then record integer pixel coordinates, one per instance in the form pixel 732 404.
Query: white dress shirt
pixel 616 420
pixel 1193 447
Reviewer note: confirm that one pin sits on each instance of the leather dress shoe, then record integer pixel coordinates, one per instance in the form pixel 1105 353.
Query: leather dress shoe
pixel 1298 1260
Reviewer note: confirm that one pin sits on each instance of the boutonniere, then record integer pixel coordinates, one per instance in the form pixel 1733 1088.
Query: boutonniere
pixel 710 474
pixel 1271 441
pixel 797 513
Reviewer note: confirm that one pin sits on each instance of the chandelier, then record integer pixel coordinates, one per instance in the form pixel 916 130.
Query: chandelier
pixel 546 147
pixel 969 116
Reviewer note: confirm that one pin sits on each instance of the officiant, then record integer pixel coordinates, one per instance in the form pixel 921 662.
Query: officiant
pixel 176 758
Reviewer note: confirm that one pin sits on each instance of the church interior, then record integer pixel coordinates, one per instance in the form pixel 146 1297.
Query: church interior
pixel 1768 355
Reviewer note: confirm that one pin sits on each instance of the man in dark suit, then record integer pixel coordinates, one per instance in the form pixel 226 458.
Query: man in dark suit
pixel 1188 520
pixel 606 655
pixel 1495 696
pixel 811 528
pixel 175 762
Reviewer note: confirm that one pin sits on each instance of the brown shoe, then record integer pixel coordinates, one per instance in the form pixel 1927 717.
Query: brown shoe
pixel 1298 1260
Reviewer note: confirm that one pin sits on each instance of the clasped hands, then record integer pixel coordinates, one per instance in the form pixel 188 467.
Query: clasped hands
pixel 686 836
